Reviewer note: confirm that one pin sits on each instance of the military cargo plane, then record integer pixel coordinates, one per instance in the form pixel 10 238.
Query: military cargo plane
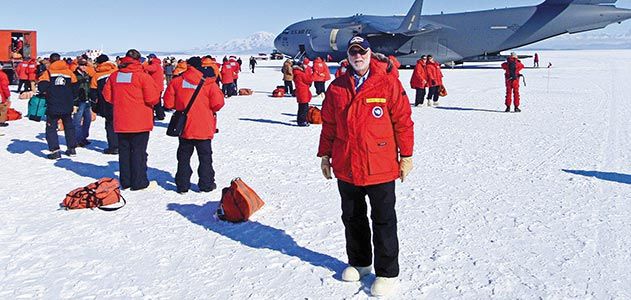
pixel 451 38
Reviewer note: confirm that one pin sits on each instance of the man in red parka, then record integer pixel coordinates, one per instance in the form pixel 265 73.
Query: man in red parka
pixel 133 94
pixel 419 80
pixel 321 75
pixel 303 80
pixel 22 72
pixel 435 80
pixel 512 68
pixel 154 68
pixel 200 125
pixel 367 139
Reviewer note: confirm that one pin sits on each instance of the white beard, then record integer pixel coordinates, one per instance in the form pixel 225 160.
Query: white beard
pixel 361 68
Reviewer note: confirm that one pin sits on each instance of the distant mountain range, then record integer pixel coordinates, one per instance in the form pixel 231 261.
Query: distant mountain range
pixel 259 42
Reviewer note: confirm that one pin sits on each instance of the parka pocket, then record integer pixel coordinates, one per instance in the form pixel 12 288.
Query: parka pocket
pixel 382 156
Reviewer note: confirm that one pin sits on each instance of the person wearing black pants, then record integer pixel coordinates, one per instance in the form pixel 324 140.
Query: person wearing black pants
pixel 433 94
pixel 384 226
pixel 205 170
pixel 303 109
pixel 52 138
pixel 420 94
pixel 132 160
pixel 289 87
pixel 319 86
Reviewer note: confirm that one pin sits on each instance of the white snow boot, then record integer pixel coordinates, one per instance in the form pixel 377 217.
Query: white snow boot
pixel 429 102
pixel 382 286
pixel 353 274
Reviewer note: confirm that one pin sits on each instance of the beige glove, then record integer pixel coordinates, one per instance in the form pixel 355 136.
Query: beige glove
pixel 405 166
pixel 326 167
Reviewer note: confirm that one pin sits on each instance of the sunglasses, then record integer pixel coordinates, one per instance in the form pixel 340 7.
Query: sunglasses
pixel 355 51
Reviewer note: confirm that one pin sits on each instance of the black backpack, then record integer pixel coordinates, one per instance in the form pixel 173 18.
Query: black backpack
pixel 512 69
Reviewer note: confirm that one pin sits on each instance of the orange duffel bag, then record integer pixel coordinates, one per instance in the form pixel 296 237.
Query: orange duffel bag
pixel 98 194
pixel 238 202
pixel 279 92
pixel 13 115
pixel 314 116
pixel 442 91
pixel 245 92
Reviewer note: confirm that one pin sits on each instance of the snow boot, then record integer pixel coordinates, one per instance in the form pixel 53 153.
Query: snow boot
pixel 436 103
pixel 71 152
pixel 517 110
pixel 382 286
pixel 54 155
pixel 429 102
pixel 507 109
pixel 353 274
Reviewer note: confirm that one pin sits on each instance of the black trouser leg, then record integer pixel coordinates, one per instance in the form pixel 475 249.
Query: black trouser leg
pixel 205 170
pixel 436 94
pixel 356 226
pixel 420 96
pixel 184 171
pixel 28 86
pixel 69 131
pixel 138 160
pixel 52 138
pixel 384 226
pixel 158 109
pixel 289 87
pixel 303 108
pixel 124 159
pixel 431 92
pixel 112 138
pixel 21 83
pixel 319 86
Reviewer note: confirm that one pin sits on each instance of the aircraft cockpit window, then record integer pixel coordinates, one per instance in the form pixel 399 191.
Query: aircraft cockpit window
pixel 286 32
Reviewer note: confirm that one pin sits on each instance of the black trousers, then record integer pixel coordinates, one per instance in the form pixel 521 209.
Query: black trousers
pixel 112 137
pixel 384 226
pixel 132 159
pixel 205 170
pixel 433 93
pixel 303 108
pixel 319 86
pixel 25 83
pixel 158 110
pixel 52 138
pixel 289 87
pixel 420 96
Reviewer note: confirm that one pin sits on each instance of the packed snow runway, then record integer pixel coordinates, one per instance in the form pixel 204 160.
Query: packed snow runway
pixel 499 205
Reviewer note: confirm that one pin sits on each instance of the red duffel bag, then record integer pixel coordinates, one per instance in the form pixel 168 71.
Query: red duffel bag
pixel 279 92
pixel 98 194
pixel 238 202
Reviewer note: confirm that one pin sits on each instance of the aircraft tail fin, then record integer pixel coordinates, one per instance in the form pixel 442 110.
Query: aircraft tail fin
pixel 586 2
pixel 413 18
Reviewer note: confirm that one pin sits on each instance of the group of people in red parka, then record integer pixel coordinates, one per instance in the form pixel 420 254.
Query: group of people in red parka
pixel 427 75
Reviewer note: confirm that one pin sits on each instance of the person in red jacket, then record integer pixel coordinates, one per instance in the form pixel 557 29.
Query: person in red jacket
pixel 154 68
pixel 133 94
pixel 200 125
pixel 227 79
pixel 303 80
pixel 367 139
pixel 22 71
pixel 512 68
pixel 5 96
pixel 236 68
pixel 435 80
pixel 419 80
pixel 321 75
pixel 342 69
pixel 32 73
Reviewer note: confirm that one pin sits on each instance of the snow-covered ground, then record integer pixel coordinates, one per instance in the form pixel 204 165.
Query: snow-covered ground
pixel 499 205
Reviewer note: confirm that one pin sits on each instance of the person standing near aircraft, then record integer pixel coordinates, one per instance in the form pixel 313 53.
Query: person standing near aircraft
pixel 321 75
pixel 367 139
pixel 435 80
pixel 288 76
pixel 303 79
pixel 419 80
pixel 536 61
pixel 512 68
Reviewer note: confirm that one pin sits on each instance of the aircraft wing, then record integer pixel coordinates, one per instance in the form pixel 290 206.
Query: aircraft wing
pixel 585 2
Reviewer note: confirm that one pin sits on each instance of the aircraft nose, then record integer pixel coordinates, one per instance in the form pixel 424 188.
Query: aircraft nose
pixel 277 43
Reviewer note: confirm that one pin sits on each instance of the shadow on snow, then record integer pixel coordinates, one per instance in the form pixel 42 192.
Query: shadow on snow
pixel 607 176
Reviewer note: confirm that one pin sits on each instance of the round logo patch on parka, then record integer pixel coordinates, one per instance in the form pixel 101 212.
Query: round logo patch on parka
pixel 377 112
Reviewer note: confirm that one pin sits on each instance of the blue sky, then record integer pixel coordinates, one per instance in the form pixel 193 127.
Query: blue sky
pixel 179 25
